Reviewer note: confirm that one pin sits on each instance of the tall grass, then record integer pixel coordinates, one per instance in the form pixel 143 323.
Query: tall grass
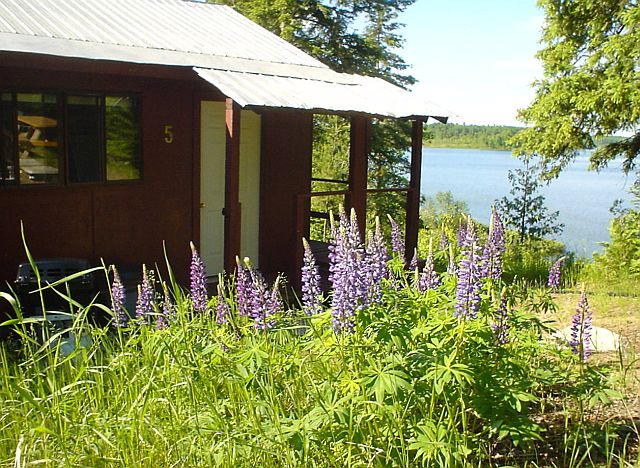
pixel 411 386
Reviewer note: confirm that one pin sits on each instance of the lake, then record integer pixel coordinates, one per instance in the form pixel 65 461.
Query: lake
pixel 479 177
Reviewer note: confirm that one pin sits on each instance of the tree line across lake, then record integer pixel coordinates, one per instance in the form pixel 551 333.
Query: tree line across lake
pixel 495 137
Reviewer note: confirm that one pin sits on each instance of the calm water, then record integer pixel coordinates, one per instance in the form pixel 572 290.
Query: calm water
pixel 479 177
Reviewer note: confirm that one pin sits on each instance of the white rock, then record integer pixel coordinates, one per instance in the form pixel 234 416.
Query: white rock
pixel 601 339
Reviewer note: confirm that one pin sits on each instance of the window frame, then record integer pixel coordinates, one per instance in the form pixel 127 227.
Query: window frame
pixel 62 114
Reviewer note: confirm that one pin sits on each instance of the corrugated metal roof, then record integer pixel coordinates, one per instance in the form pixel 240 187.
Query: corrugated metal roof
pixel 245 61
pixel 372 96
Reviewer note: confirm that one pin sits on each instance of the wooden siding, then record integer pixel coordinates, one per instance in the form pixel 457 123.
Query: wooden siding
pixel 287 141
pixel 122 223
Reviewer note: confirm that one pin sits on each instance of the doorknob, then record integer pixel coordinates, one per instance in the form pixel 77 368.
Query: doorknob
pixel 202 204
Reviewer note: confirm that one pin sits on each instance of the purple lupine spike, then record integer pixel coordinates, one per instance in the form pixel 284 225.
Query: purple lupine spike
pixel 581 328
pixel 223 311
pixel 444 241
pixel 310 279
pixel 168 312
pixel 494 248
pixel 554 274
pixel 501 325
pixel 397 240
pixel 264 303
pixel 429 278
pixel 198 282
pixel 120 316
pixel 413 264
pixel 451 266
pixel 462 233
pixel 347 273
pixel 243 289
pixel 146 296
pixel 469 277
pixel 377 257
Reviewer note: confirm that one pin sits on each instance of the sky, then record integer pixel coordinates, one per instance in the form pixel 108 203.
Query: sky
pixel 474 58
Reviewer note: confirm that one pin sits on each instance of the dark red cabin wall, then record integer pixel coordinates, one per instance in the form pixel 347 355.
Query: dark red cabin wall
pixel 123 223
pixel 287 141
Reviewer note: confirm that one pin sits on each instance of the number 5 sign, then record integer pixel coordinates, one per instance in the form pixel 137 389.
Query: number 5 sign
pixel 168 133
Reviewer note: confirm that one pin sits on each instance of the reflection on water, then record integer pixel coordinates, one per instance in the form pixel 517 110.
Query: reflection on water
pixel 479 177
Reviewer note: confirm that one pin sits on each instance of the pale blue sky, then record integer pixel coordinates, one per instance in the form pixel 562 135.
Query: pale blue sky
pixel 474 58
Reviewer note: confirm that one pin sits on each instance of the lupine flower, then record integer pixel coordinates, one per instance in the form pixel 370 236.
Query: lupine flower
pixel 376 257
pixel 264 303
pixel 413 264
pixel 469 277
pixel 198 283
pixel 501 324
pixel 243 289
pixel 444 242
pixel 311 295
pixel 462 233
pixel 223 311
pixel 168 311
pixel 397 240
pixel 120 316
pixel 554 274
pixel 347 273
pixel 494 248
pixel 429 278
pixel 581 328
pixel 451 266
pixel 146 296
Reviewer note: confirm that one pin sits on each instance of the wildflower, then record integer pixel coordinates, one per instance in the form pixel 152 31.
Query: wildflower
pixel 444 242
pixel 451 266
pixel 376 257
pixel 263 303
pixel 429 278
pixel 146 296
pixel 310 278
pixel 501 325
pixel 168 311
pixel 554 274
pixel 469 284
pixel 198 283
pixel 581 328
pixel 462 233
pixel 413 264
pixel 347 273
pixel 120 316
pixel 494 248
pixel 243 289
pixel 397 241
pixel 223 311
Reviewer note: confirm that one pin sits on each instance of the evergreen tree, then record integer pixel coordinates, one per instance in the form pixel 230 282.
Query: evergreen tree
pixel 590 84
pixel 525 210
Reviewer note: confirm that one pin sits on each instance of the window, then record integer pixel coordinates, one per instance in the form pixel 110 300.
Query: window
pixel 48 138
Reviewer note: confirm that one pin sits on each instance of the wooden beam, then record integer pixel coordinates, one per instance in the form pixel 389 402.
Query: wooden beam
pixel 232 209
pixel 413 195
pixel 359 148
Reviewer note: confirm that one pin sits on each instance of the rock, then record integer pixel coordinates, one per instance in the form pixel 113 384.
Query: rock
pixel 602 340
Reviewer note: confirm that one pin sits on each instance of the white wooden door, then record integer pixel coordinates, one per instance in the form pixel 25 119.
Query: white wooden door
pixel 212 164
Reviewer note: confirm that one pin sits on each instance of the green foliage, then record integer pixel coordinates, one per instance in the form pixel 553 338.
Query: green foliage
pixel 589 89
pixel 412 386
pixel 620 260
pixel 525 211
pixel 469 136
pixel 442 210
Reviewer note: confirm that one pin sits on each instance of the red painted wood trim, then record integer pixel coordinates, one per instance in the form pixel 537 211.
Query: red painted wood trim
pixel 413 195
pixel 232 208
pixel 359 148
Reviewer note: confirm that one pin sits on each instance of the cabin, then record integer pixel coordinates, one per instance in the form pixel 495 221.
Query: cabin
pixel 131 127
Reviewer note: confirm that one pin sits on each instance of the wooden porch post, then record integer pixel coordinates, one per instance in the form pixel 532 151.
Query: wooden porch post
pixel 359 148
pixel 232 209
pixel 413 195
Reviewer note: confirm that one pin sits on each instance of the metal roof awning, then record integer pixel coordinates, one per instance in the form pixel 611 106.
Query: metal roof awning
pixel 342 93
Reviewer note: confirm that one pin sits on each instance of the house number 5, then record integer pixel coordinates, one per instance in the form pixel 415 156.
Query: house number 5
pixel 168 133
